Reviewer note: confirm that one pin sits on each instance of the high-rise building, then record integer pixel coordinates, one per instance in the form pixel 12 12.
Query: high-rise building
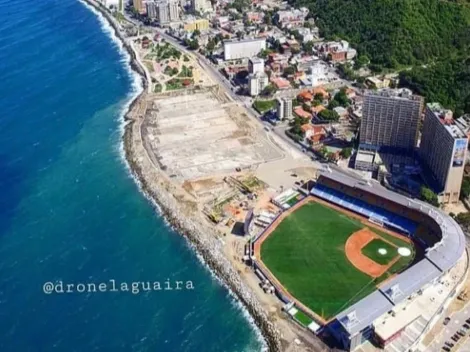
pixel 443 149
pixel 284 108
pixel 255 65
pixel 139 6
pixel 390 120
pixel 257 82
pixel 152 9
pixel 174 10
pixel 167 11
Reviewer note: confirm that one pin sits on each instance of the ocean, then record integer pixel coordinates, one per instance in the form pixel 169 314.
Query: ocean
pixel 70 211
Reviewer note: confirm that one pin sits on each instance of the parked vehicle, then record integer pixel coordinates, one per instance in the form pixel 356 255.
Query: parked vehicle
pixel 446 320
pixel 445 348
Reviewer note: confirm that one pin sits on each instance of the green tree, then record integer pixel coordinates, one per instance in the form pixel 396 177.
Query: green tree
pixel 361 61
pixel 333 104
pixel 328 115
pixel 288 71
pixel 463 219
pixel 269 90
pixel 429 196
pixel 342 98
pixel 465 189
pixel 346 152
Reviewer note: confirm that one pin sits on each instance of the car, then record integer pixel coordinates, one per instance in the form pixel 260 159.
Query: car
pixel 449 344
pixel 454 338
pixel 461 332
pixel 466 326
pixel 446 321
pixel 445 348
pixel 467 321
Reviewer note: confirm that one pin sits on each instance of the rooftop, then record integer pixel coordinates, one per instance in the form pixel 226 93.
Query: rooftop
pixel 445 116
pixel 403 93
pixel 249 40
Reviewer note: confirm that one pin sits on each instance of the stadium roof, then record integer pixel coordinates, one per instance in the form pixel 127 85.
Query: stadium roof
pixel 439 258
pixel 366 310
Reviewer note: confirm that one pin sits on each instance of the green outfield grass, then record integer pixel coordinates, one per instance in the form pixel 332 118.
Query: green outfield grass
pixel 303 318
pixel 371 250
pixel 306 254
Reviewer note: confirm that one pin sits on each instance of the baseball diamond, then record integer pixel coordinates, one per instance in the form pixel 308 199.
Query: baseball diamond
pixel 306 252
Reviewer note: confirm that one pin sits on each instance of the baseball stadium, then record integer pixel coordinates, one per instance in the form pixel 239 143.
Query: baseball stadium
pixel 348 252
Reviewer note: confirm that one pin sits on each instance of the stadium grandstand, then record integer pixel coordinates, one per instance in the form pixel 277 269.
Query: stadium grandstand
pixel 439 236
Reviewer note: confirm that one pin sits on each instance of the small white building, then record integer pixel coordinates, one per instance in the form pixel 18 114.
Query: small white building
pixel 284 108
pixel 257 82
pixel 317 73
pixel 255 65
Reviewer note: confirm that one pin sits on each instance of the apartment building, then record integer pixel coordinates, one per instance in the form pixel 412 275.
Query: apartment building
pixel 284 108
pixel 443 150
pixel 390 120
pixel 240 49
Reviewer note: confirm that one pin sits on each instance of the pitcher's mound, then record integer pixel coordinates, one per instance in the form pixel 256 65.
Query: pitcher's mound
pixel 382 251
pixel 404 252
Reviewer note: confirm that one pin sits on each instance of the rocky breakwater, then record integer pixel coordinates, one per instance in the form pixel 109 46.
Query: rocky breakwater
pixel 180 214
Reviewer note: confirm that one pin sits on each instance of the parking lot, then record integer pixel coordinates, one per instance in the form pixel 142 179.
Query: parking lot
pixel 455 336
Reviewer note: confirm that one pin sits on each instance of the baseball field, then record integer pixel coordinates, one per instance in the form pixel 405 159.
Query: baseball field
pixel 328 259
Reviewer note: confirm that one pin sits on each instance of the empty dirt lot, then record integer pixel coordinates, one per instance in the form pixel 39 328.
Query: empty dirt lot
pixel 197 134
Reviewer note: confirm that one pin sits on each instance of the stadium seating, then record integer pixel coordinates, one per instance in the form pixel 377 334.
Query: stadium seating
pixel 358 206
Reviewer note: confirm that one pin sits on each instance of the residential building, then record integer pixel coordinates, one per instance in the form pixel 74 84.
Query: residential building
pixel 318 73
pixel 390 119
pixel 254 17
pixel 139 6
pixel 167 11
pixel 336 51
pixel 192 24
pixel 240 49
pixel 284 108
pixel 292 18
pixel 152 10
pixel 307 34
pixel 257 82
pixel 200 5
pixel 443 150
pixel 255 65
pixel 377 82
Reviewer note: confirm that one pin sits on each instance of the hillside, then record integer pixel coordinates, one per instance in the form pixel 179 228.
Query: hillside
pixel 396 32
pixel 447 82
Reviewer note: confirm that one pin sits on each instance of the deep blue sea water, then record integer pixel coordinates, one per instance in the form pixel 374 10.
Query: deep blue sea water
pixel 69 210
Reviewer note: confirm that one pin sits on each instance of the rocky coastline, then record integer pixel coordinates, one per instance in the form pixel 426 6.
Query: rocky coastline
pixel 156 187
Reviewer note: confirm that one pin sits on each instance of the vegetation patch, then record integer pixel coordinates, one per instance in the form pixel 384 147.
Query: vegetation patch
pixel 264 105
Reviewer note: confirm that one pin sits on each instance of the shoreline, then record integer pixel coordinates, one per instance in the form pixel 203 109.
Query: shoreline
pixel 151 182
